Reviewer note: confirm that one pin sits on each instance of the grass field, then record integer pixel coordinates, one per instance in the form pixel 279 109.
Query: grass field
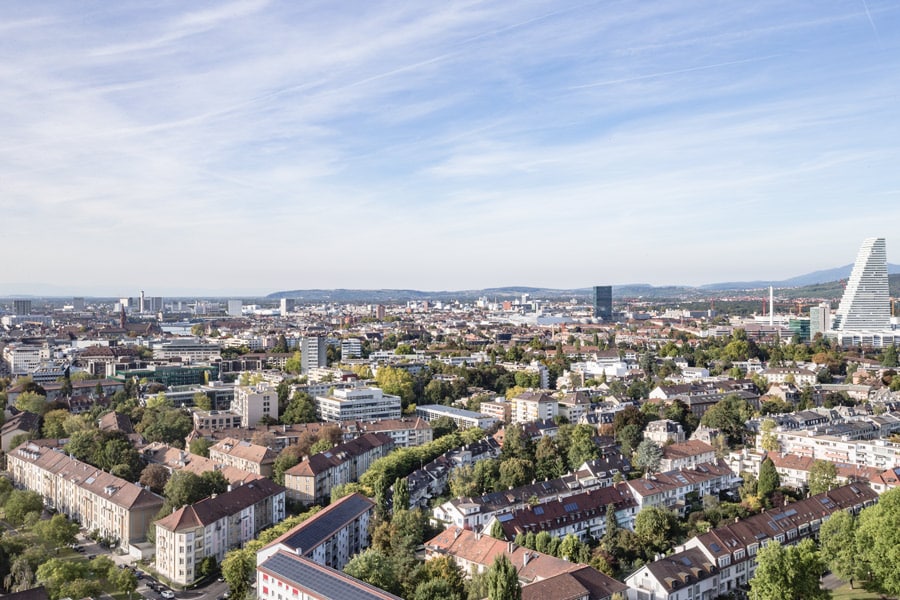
pixel 845 593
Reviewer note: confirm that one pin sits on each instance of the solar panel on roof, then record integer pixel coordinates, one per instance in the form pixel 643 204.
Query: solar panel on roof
pixel 572 506
pixel 686 561
pixel 825 500
pixel 715 547
pixel 538 510
pixel 505 518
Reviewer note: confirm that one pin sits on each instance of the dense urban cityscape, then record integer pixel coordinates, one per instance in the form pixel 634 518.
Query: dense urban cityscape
pixel 593 447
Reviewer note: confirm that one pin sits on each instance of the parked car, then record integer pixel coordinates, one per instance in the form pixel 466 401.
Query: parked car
pixel 167 594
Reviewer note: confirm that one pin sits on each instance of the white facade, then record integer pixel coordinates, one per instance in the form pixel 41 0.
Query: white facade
pixel 865 305
pixel 253 402
pixel 359 404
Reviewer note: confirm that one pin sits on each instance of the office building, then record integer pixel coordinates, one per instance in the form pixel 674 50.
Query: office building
pixel 235 308
pixel 819 319
pixel 359 404
pixel 601 301
pixel 22 307
pixel 287 305
pixel 865 305
pixel 78 304
pixel 312 353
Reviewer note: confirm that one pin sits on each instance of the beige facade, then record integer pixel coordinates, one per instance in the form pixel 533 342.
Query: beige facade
pixel 244 455
pixel 215 525
pixel 117 509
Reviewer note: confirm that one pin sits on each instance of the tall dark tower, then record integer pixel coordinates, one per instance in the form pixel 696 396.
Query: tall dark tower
pixel 123 319
pixel 602 302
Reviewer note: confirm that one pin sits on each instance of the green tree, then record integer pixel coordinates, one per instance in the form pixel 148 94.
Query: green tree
pixel 581 446
pixel 497 531
pixel 889 357
pixel 878 540
pixel 200 446
pixel 293 364
pixel 32 402
pixel 548 464
pixel 788 572
pixel 515 472
pixel 768 480
pixel 729 415
pixel 124 580
pixel 769 441
pixel 286 459
pixel 822 477
pixel 436 589
pixel 57 531
pixel 401 494
pixel 238 570
pixel 647 456
pixel 442 426
pixel 502 580
pixel 301 409
pixel 656 527
pixel 202 401
pixel 20 503
pixel 629 437
pixel 53 423
pixel 155 477
pixel 397 382
pixel 838 547
pixel 375 568
pixel 165 424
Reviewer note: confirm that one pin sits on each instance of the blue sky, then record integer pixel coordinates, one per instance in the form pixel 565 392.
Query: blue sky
pixel 254 146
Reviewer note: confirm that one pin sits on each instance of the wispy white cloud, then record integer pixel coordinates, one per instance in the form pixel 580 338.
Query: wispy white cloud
pixel 483 142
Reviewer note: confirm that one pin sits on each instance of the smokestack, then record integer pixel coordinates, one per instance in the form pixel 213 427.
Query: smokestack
pixel 771 306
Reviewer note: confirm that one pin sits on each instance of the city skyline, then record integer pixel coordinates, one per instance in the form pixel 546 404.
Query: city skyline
pixel 251 147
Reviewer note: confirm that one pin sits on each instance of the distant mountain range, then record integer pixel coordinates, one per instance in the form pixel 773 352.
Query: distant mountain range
pixel 823 276
pixel 819 284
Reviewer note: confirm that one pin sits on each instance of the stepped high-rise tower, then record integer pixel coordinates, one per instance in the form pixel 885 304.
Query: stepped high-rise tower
pixel 865 305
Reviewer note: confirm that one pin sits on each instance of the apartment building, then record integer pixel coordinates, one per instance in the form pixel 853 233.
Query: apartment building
pixel 215 525
pixel 215 420
pixel 406 432
pixel 686 455
pixel 117 509
pixel 724 559
pixel 255 402
pixel 244 455
pixel 176 459
pixel 358 404
pixel 670 489
pixel 878 453
pixel 582 515
pixel 330 537
pixel 285 576
pixel 533 406
pixel 312 479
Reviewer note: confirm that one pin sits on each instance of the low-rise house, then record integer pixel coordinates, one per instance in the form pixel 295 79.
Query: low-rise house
pixel 119 510
pixel 686 455
pixel 543 577
pixel 175 459
pixel 664 431
pixel 215 525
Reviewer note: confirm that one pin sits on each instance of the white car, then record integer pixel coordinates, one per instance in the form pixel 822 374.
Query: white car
pixel 167 594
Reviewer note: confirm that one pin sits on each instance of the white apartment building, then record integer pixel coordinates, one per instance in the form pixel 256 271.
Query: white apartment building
pixel 312 353
pixel 244 455
pixel 253 402
pixel 358 404
pixel 215 525
pixel 116 508
pixel 533 406
pixel 881 454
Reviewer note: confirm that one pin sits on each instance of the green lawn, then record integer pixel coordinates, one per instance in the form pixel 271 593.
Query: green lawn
pixel 845 593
